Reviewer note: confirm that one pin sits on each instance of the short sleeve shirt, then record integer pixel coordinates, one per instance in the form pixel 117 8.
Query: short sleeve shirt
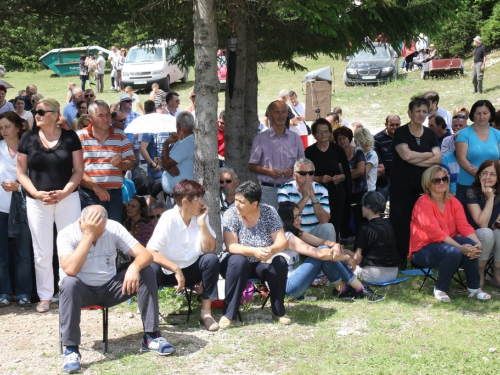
pixel 177 242
pixel 49 169
pixel 474 195
pixel 372 158
pixel 406 174
pixel 477 150
pixel 383 145
pixel 359 184
pixel 257 236
pixel 100 265
pixel 183 154
pixel 377 243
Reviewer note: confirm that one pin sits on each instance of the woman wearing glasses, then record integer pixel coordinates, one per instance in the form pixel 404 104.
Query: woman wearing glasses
pixel 320 255
pixel 49 167
pixel 183 245
pixel 442 238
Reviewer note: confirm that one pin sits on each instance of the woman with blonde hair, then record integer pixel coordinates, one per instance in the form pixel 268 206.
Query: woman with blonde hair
pixel 49 167
pixel 441 237
pixel 83 122
pixel 364 139
pixel 69 93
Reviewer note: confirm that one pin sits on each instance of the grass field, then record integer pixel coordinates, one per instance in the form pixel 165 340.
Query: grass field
pixel 407 333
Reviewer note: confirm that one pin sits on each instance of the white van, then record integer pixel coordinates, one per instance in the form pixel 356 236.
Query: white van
pixel 151 63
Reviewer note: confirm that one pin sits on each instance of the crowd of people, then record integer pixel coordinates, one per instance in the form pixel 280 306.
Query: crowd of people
pixel 120 214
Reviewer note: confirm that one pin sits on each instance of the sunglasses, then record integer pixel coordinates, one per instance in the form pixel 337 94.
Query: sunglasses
pixel 437 180
pixel 460 115
pixel 126 101
pixel 304 173
pixel 89 95
pixel 157 216
pixel 226 181
pixel 41 112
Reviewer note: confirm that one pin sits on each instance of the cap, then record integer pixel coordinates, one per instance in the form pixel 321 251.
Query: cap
pixel 478 39
pixel 126 97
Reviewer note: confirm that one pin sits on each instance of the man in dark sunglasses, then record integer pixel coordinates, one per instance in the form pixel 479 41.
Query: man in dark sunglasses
pixel 155 212
pixel 118 120
pixel 229 181
pixel 89 96
pixel 312 199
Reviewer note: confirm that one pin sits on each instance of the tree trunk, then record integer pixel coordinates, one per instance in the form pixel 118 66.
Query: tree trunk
pixel 206 162
pixel 234 135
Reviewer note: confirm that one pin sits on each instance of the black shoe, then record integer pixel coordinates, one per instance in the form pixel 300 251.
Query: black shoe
pixel 347 295
pixel 369 295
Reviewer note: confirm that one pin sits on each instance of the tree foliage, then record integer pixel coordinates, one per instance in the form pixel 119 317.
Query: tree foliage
pixel 490 32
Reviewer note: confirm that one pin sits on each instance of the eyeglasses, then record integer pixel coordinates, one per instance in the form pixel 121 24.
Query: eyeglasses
pixel 437 180
pixel 89 95
pixel 323 132
pixel 41 112
pixel 305 173
pixel 157 216
pixel 295 217
pixel 460 115
pixel 127 101
pixel 83 107
pixel 122 120
pixel 226 181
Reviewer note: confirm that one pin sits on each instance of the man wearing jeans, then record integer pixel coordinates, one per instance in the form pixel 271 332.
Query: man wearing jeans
pixel 478 65
pixel 107 153
pixel 274 152
pixel 87 252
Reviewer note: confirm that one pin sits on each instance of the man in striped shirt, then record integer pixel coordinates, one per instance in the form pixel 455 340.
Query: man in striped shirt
pixel 312 199
pixel 107 153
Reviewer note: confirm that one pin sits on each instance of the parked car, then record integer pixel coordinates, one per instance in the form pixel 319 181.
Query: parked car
pixel 152 63
pixel 222 68
pixel 372 66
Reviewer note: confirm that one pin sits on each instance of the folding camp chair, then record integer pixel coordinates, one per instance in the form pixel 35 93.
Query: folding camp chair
pixel 428 274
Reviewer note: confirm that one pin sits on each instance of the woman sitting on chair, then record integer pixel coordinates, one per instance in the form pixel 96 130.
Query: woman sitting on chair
pixel 183 245
pixel 322 255
pixel 253 233
pixel 483 204
pixel 436 223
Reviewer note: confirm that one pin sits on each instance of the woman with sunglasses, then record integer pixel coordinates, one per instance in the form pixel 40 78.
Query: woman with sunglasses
pixel 475 144
pixel 320 255
pixel 49 167
pixel 27 115
pixel 137 222
pixel 483 208
pixel 442 238
pixel 183 245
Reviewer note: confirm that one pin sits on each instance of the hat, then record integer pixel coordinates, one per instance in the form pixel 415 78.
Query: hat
pixel 100 53
pixel 478 39
pixel 126 97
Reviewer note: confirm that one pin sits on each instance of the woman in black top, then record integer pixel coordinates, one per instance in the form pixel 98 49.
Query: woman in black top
pixel 331 169
pixel 376 252
pixel 416 148
pixel 49 167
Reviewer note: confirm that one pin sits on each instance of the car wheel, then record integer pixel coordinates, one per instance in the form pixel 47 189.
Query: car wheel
pixel 166 87
pixel 346 82
pixel 185 77
pixel 424 74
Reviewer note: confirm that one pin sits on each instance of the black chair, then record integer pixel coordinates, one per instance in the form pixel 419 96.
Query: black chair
pixel 426 272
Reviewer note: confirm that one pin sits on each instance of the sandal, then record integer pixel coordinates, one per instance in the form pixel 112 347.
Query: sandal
pixel 43 306
pixel 441 297
pixel 479 294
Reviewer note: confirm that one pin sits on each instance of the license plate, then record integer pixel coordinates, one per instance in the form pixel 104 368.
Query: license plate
pixel 369 77
pixel 140 82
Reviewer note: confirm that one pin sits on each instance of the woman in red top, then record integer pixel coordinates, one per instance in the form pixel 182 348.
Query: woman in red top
pixel 436 223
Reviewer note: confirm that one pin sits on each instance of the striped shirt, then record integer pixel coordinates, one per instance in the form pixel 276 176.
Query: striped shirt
pixel 289 192
pixel 97 156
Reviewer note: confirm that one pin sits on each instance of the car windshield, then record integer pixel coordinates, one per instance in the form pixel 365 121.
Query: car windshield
pixel 380 53
pixel 137 55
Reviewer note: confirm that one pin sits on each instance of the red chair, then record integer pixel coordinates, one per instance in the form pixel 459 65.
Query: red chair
pixel 104 326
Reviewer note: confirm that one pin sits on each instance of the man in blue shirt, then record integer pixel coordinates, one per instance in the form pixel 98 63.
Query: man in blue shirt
pixel 70 109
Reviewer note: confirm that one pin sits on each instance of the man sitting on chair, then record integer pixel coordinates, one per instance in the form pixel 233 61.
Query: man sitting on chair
pixel 87 253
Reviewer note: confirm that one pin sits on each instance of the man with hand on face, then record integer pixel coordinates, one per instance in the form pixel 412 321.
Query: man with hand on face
pixel 87 252
pixel 274 152
pixel 107 153
pixel 312 199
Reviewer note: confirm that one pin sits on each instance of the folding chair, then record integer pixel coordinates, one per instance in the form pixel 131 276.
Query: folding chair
pixel 488 269
pixel 428 274
pixel 265 299
pixel 104 326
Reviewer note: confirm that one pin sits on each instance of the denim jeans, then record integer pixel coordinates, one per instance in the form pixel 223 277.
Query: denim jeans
pixel 22 261
pixel 300 279
pixel 447 258
pixel 114 206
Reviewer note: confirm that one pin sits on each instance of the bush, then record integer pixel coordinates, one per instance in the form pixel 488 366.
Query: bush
pixel 490 32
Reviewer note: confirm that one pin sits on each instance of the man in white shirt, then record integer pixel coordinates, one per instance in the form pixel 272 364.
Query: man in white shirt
pixel 87 253
pixel 99 72
pixel 433 98
pixel 113 58
pixel 299 111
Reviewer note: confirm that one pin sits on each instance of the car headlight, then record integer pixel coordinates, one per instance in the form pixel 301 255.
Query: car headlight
pixel 125 74
pixel 156 72
pixel 388 69
pixel 351 71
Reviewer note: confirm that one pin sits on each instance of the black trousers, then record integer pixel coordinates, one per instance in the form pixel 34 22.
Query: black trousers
pixel 205 269
pixel 236 269
pixel 402 201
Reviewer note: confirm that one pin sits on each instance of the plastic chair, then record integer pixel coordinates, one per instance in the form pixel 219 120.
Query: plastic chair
pixel 104 326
